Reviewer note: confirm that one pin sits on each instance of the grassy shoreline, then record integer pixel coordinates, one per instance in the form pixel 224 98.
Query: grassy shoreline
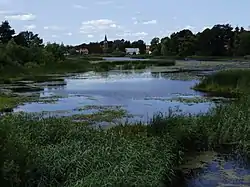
pixel 51 151
pixel 61 152
pixel 231 82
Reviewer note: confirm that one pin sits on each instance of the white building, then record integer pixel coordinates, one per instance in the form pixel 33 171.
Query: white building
pixel 83 51
pixel 132 51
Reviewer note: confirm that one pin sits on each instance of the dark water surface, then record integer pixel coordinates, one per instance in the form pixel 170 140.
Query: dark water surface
pixel 222 171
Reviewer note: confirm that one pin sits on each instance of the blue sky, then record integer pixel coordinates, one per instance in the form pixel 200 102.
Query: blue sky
pixel 78 21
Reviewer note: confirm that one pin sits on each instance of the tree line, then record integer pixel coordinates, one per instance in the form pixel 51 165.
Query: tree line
pixel 220 40
pixel 116 46
pixel 26 48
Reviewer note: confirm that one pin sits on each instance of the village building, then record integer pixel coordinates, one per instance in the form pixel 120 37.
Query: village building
pixel 83 51
pixel 105 44
pixel 132 51
pixel 148 49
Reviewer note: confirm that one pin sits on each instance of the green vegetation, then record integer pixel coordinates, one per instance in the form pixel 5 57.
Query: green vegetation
pixel 24 56
pixel 234 82
pixel 61 152
pixel 10 101
pixel 68 151
pixel 220 42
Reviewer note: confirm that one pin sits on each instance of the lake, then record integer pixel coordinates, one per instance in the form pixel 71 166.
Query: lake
pixel 141 94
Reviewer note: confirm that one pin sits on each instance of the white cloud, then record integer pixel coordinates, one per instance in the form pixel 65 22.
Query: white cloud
pixel 30 27
pixel 206 27
pixel 189 27
pixel 79 6
pixel 69 34
pixel 54 36
pixel 21 17
pixel 104 2
pixel 135 21
pixel 129 33
pixel 90 36
pixel 150 22
pixel 140 34
pixel 53 27
pixel 4 12
pixel 98 25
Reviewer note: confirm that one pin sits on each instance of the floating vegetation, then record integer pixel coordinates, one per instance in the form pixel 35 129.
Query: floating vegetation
pixel 99 107
pixel 10 101
pixel 52 99
pixel 104 113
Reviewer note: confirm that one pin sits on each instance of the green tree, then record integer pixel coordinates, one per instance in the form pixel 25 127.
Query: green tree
pixel 139 44
pixel 6 33
pixel 244 44
pixel 155 46
pixel 56 49
pixel 28 39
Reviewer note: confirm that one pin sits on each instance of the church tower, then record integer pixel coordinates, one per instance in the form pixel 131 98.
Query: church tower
pixel 105 44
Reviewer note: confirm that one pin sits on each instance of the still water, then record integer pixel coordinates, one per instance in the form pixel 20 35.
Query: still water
pixel 142 94
pixel 222 171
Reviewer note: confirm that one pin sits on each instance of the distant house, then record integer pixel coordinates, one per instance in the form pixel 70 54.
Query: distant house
pixel 83 51
pixel 132 51
pixel 148 49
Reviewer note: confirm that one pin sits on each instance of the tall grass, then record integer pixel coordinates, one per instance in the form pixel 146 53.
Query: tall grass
pixel 59 152
pixel 67 66
pixel 227 81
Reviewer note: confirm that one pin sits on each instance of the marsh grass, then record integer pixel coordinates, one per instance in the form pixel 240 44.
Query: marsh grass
pixel 37 151
pixel 236 82
pixel 38 74
pixel 59 152
pixel 10 101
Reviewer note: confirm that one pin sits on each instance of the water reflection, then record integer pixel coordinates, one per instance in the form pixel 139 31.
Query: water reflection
pixel 141 94
pixel 223 172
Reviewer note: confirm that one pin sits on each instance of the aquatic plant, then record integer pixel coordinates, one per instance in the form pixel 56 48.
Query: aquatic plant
pixel 61 152
pixel 10 101
pixel 58 151
pixel 234 81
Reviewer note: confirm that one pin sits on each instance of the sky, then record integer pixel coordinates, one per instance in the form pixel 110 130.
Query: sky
pixel 80 21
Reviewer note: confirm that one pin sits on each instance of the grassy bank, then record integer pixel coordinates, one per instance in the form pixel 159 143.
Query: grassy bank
pixel 235 82
pixel 60 152
pixel 10 101
pixel 37 73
